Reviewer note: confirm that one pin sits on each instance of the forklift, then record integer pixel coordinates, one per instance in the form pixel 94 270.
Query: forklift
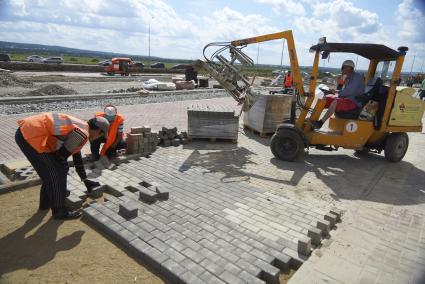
pixel 399 112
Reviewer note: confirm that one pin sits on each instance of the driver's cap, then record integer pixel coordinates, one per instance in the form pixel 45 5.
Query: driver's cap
pixel 348 63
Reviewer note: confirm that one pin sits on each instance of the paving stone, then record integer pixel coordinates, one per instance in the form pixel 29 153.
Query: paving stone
pixel 332 218
pixel 189 277
pixel 315 235
pixel 96 192
pixel 146 195
pixel 282 261
pixel 73 202
pixel 269 273
pixel 304 246
pixel 324 226
pixel 248 278
pixel 171 270
pixel 337 212
pixel 228 277
pixel 128 210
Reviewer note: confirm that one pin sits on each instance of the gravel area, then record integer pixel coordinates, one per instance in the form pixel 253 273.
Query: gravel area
pixel 8 109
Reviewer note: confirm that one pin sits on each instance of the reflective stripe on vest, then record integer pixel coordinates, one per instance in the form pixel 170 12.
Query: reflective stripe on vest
pixel 65 121
pixel 41 131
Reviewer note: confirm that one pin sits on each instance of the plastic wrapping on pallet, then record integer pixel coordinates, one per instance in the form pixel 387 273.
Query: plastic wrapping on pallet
pixel 268 112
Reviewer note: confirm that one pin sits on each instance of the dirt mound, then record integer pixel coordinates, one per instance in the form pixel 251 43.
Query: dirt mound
pixel 52 90
pixel 7 79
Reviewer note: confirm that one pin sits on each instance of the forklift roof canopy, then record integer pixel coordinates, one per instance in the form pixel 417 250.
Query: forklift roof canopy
pixel 367 50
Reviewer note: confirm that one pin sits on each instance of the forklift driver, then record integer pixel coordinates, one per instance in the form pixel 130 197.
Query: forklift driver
pixel 346 99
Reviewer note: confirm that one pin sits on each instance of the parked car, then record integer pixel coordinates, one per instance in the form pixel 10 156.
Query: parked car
pixel 105 62
pixel 179 67
pixel 53 60
pixel 138 64
pixel 35 58
pixel 4 57
pixel 158 65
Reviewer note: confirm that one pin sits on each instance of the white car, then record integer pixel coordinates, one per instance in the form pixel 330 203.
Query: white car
pixel 35 58
pixel 53 60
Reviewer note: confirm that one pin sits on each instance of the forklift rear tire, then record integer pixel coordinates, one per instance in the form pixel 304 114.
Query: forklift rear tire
pixel 396 146
pixel 287 145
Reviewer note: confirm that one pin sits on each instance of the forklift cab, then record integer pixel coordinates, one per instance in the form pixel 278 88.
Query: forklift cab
pixel 387 130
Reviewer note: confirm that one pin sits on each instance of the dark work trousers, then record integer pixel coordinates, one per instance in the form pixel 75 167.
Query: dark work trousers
pixel 95 148
pixel 53 174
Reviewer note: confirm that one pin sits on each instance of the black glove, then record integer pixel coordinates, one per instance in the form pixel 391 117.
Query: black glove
pixel 90 184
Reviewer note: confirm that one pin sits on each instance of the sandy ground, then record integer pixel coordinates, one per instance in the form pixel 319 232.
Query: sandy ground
pixel 38 249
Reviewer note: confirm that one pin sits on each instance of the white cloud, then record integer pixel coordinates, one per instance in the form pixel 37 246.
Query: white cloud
pixel 285 7
pixel 411 21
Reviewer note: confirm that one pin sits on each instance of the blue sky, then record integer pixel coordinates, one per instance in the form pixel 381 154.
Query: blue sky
pixel 180 29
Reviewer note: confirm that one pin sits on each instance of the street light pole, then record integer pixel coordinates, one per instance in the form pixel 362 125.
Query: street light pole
pixel 149 38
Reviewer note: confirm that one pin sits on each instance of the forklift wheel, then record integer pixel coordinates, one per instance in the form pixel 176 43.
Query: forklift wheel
pixel 286 145
pixel 396 146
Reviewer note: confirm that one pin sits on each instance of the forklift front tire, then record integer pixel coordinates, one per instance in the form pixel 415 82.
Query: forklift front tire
pixel 396 146
pixel 286 145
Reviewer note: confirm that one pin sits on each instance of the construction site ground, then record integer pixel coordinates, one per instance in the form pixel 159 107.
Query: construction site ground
pixel 381 238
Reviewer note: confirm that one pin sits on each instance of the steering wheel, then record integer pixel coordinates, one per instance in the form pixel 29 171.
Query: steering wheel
pixel 325 91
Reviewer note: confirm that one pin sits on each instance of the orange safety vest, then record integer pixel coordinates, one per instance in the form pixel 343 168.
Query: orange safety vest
pixel 288 81
pixel 41 131
pixel 113 130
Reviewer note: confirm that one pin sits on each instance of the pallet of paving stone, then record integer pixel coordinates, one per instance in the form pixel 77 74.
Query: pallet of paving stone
pixel 212 122
pixel 141 140
pixel 267 113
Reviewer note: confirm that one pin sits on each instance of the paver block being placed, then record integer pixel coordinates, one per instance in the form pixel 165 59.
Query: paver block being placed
pixel 128 210
pixel 96 192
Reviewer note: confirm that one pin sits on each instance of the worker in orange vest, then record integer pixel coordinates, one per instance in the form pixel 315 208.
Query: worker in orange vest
pixel 114 140
pixel 47 140
pixel 287 81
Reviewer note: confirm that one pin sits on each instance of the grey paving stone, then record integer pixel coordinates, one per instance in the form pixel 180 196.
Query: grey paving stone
pixel 210 278
pixel 128 210
pixel 282 261
pixel 96 192
pixel 155 258
pixel 248 278
pixel 269 273
pixel 174 255
pixel 304 246
pixel 324 226
pixel 212 267
pixel 171 270
pixel 315 235
pixel 228 277
pixel 196 256
pixel 73 202
pixel 332 218
pixel 189 277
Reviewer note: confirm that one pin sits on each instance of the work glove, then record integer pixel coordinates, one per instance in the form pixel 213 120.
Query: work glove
pixel 90 184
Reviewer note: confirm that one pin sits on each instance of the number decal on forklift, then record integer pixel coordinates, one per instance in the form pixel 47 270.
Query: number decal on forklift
pixel 351 127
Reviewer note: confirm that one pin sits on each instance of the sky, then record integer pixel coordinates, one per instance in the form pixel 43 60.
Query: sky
pixel 180 29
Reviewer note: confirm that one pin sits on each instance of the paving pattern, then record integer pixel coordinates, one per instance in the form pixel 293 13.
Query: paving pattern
pixel 192 228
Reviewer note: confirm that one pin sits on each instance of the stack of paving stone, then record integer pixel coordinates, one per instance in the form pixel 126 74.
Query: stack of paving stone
pixel 170 136
pixel 140 140
pixel 267 113
pixel 214 122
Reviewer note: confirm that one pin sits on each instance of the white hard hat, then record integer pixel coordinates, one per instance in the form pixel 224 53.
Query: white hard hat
pixel 348 63
pixel 110 112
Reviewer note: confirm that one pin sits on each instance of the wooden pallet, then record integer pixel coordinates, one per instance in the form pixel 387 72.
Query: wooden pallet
pixel 213 139
pixel 256 132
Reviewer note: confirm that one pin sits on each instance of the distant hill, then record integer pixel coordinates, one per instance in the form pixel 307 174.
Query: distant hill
pixel 29 48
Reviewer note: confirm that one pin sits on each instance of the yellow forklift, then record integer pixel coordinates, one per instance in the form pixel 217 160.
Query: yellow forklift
pixel 397 114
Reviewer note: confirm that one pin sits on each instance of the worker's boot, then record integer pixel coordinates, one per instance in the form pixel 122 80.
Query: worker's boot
pixel 65 214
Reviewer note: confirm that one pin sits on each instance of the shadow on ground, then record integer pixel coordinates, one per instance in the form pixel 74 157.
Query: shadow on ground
pixel 364 177
pixel 19 251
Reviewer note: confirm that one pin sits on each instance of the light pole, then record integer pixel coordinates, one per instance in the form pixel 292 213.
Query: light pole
pixel 149 39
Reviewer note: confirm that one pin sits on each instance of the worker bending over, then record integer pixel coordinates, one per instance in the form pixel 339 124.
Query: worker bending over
pixel 114 140
pixel 346 100
pixel 47 140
